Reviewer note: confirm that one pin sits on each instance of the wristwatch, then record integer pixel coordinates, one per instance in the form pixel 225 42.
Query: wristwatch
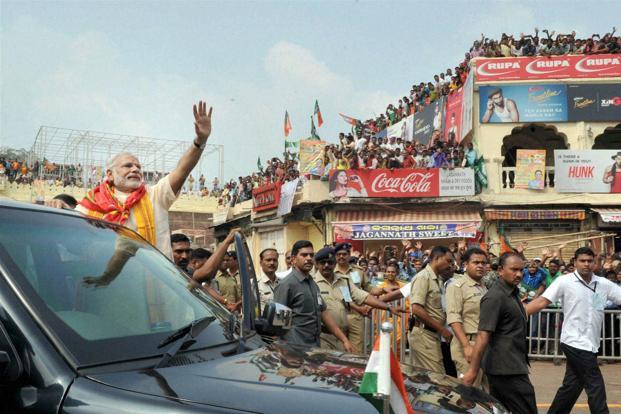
pixel 199 146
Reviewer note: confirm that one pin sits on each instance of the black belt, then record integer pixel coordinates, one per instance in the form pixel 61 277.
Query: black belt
pixel 419 324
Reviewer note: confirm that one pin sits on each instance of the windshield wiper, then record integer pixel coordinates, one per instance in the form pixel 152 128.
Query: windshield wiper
pixel 188 333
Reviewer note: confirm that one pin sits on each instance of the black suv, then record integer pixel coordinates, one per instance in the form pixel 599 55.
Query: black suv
pixel 95 320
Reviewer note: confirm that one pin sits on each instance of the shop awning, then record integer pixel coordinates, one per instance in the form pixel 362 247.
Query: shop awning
pixel 389 224
pixel 500 214
pixel 609 215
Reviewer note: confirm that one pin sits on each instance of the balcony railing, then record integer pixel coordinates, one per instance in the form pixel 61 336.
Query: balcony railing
pixel 508 177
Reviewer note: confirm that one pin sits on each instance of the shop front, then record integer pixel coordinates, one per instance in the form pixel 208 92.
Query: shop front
pixel 608 220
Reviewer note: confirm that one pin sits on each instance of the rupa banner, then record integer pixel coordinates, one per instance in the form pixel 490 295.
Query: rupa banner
pixel 523 103
pixel 401 183
pixel 587 171
pixel 548 67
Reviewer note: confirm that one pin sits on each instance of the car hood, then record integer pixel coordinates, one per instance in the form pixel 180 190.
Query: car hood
pixel 281 376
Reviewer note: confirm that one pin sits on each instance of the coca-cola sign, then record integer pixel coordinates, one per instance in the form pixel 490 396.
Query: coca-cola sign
pixel 401 183
pixel 549 67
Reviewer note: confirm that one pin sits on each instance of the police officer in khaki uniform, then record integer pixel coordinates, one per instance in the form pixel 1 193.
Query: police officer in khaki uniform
pixel 339 294
pixel 360 279
pixel 430 317
pixel 228 282
pixel 463 298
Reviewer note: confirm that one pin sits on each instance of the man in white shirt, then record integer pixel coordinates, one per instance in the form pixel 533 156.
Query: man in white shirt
pixel 583 296
pixel 268 259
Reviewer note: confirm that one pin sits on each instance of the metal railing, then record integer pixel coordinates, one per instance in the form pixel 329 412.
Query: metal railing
pixel 544 333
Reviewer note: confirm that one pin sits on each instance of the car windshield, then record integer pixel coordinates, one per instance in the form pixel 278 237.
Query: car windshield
pixel 99 289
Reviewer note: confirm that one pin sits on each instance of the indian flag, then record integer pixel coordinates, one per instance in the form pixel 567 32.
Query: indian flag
pixel 399 403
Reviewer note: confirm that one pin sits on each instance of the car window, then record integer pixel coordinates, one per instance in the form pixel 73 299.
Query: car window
pixel 99 286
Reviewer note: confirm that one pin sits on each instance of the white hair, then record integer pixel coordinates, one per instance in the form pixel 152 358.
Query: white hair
pixel 113 161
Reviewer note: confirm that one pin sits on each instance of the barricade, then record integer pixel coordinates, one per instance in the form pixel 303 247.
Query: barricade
pixel 544 333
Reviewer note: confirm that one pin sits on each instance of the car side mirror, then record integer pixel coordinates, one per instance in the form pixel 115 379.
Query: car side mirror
pixel 276 320
pixel 11 367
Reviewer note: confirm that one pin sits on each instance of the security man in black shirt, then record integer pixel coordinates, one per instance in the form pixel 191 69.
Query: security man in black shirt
pixel 299 292
pixel 503 326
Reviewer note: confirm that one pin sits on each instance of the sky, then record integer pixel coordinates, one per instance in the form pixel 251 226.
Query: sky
pixel 136 67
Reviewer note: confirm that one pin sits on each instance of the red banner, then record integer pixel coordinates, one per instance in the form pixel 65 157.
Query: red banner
pixel 452 114
pixel 548 67
pixel 385 183
pixel 266 197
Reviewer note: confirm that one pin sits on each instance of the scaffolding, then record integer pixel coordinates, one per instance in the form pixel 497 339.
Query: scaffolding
pixel 92 149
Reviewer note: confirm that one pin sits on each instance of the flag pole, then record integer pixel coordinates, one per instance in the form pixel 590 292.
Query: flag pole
pixel 383 375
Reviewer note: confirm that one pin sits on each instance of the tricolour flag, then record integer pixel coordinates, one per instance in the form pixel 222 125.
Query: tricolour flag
pixel 318 113
pixel 287 124
pixel 399 402
pixel 349 119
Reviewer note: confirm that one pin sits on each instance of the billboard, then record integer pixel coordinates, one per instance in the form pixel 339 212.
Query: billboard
pixel 467 102
pixel 427 120
pixel 401 183
pixel 594 102
pixel 523 103
pixel 394 231
pixel 453 116
pixel 547 67
pixel 530 168
pixel 403 129
pixel 311 157
pixel 587 171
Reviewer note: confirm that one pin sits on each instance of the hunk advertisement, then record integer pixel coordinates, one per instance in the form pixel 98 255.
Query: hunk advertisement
pixel 523 103
pixel 401 183
pixel 530 168
pixel 587 171
pixel 552 67
pixel 394 231
pixel 598 102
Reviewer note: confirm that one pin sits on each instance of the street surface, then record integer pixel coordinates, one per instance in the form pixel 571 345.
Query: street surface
pixel 547 377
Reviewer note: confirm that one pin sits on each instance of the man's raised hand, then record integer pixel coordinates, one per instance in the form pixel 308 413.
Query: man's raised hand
pixel 202 121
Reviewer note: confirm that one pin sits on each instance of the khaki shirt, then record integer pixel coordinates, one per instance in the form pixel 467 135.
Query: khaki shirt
pixel 332 295
pixel 266 288
pixel 229 286
pixel 357 276
pixel 463 299
pixel 426 292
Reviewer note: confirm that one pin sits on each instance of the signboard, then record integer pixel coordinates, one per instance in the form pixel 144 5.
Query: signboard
pixel 401 183
pixel 311 157
pixel 287 194
pixel 587 171
pixel 221 215
pixel 427 120
pixel 547 67
pixel 453 116
pixel 523 103
pixel 594 102
pixel 266 197
pixel 467 103
pixel 394 231
pixel 403 129
pixel 530 168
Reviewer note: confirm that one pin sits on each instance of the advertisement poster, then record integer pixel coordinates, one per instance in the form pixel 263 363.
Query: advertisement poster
pixel 523 103
pixel 548 67
pixel 587 171
pixel 530 169
pixel 403 129
pixel 311 157
pixel 594 102
pixel 395 231
pixel 452 116
pixel 401 183
pixel 427 120
pixel 466 111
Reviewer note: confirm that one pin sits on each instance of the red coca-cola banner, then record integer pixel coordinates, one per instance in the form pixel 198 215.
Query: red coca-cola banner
pixel 266 197
pixel 402 183
pixel 548 67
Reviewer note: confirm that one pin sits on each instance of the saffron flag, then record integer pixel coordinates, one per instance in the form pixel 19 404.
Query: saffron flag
pixel 399 402
pixel 288 127
pixel 318 113
pixel 349 119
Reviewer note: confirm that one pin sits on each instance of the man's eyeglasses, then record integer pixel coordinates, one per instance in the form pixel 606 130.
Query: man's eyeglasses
pixel 326 262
